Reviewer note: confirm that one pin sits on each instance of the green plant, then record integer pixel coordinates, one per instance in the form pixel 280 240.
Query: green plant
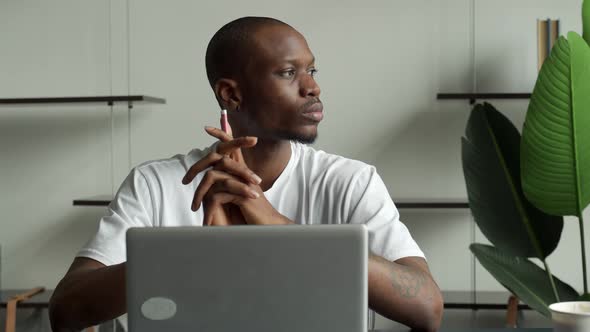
pixel 518 230
pixel 522 188
pixel 556 140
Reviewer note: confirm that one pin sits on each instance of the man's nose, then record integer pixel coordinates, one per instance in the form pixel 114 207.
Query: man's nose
pixel 309 87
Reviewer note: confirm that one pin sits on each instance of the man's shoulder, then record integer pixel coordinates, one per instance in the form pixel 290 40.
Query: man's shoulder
pixel 175 165
pixel 329 164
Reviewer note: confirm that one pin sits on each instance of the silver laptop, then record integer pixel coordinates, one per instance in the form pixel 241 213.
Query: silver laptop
pixel 296 278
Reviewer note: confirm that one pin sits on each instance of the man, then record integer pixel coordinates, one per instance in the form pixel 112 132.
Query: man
pixel 262 72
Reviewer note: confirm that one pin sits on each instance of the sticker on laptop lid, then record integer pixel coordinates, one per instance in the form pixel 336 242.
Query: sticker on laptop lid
pixel 158 308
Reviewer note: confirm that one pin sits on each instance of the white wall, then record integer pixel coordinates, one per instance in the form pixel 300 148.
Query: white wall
pixel 381 64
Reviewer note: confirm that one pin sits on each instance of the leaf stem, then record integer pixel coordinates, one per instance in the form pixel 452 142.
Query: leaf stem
pixel 551 280
pixel 581 220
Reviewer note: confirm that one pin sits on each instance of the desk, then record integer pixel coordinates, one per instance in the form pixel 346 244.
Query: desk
pixel 475 330
pixel 478 300
pixel 39 301
pixel 453 300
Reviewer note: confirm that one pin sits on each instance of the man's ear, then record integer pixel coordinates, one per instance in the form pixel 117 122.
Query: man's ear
pixel 228 93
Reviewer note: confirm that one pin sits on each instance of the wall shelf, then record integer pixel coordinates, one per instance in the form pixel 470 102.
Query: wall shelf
pixel 105 200
pixel 109 100
pixel 473 97
pixel 100 200
pixel 431 205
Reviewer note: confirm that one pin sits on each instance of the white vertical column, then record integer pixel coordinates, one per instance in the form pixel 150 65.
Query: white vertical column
pixel 120 85
pixel 473 90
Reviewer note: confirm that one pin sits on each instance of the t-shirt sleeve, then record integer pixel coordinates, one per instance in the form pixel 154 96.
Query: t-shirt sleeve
pixel 372 205
pixel 131 207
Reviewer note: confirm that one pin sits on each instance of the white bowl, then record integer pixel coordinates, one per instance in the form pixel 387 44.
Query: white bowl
pixel 570 316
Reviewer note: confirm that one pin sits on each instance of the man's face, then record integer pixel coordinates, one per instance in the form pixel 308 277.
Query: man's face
pixel 280 98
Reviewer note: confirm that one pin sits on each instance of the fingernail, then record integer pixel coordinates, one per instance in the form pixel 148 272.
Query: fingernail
pixel 209 128
pixel 254 194
pixel 256 179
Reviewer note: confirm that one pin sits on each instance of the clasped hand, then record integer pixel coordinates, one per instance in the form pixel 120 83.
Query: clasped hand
pixel 230 192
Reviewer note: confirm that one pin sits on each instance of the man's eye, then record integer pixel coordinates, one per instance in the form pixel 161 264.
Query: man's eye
pixel 312 72
pixel 288 73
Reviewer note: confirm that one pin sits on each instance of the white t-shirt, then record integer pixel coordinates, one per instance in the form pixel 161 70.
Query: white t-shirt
pixel 314 188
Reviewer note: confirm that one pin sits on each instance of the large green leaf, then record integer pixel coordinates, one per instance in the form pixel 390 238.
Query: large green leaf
pixel 525 279
pixel 491 165
pixel 556 136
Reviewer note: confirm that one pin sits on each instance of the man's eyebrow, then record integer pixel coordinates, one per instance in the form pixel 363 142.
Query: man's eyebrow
pixel 296 60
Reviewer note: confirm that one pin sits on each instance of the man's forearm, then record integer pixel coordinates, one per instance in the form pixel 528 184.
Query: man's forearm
pixel 88 297
pixel 404 293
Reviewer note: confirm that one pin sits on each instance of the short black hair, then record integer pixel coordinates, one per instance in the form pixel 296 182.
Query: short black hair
pixel 228 48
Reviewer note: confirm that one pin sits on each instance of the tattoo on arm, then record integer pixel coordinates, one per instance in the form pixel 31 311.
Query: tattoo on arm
pixel 407 282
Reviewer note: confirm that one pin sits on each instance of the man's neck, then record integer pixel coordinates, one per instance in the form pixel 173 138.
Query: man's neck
pixel 268 159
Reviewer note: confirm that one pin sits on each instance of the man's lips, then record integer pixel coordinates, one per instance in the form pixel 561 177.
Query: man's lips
pixel 314 112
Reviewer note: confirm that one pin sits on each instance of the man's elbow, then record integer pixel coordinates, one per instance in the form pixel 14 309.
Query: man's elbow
pixel 59 311
pixel 433 314
pixel 56 314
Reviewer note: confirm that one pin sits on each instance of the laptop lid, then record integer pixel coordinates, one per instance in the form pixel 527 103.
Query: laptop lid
pixel 292 278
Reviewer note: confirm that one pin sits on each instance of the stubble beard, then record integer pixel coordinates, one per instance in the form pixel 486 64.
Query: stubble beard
pixel 297 137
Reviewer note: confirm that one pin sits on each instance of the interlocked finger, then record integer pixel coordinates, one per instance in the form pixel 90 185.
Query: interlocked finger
pixel 219 216
pixel 208 161
pixel 240 170
pixel 216 181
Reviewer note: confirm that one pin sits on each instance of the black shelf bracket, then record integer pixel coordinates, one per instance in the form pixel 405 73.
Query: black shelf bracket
pixel 109 100
pixel 473 97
